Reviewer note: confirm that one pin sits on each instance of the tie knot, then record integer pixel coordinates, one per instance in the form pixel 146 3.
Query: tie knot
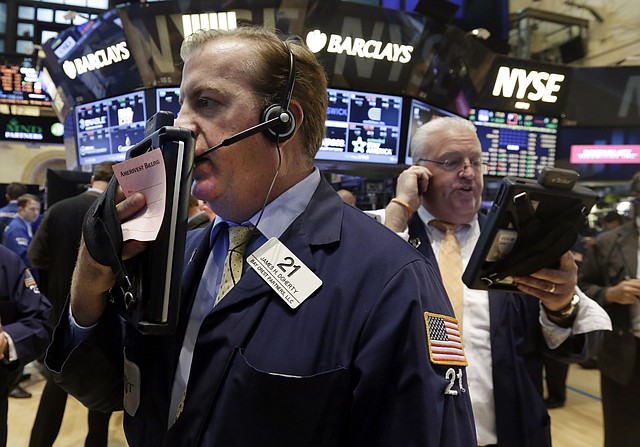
pixel 443 226
pixel 239 235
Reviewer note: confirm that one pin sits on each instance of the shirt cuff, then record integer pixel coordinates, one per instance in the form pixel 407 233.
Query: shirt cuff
pixel 13 353
pixel 79 333
pixel 589 317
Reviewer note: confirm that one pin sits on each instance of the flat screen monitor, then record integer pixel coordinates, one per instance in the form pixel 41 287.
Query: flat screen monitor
pixel 168 99
pixel 600 153
pixel 21 86
pixel 106 129
pixel 419 114
pixel 362 127
pixel 516 144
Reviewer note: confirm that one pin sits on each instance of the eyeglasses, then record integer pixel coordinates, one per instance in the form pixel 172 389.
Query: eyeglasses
pixel 459 164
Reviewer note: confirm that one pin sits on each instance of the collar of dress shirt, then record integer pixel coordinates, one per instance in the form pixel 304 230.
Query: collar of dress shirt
pixel 426 217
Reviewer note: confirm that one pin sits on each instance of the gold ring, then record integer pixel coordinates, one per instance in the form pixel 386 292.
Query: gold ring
pixel 553 287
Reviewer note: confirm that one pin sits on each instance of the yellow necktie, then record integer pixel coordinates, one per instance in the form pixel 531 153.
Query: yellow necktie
pixel 238 239
pixel 450 264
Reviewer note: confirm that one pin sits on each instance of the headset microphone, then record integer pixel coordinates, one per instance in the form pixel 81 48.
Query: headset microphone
pixel 283 118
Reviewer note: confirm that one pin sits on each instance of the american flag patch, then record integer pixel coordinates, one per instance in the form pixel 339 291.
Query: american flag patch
pixel 445 342
pixel 28 279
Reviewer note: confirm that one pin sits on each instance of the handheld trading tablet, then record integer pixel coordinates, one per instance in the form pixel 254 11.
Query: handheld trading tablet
pixel 157 273
pixel 530 225
pixel 147 290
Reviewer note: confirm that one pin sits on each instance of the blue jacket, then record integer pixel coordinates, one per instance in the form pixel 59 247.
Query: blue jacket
pixel 17 238
pixel 517 346
pixel 24 313
pixel 349 367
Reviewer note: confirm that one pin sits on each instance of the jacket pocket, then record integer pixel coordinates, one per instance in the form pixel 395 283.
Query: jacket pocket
pixel 262 408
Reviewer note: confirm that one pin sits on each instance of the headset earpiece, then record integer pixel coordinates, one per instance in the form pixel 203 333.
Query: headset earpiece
pixel 283 130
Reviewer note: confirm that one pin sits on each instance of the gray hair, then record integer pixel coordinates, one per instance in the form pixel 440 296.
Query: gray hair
pixel 424 134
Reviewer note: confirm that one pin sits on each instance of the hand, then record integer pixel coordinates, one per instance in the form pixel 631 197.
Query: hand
pixel 554 287
pixel 4 345
pixel 625 292
pixel 90 279
pixel 411 184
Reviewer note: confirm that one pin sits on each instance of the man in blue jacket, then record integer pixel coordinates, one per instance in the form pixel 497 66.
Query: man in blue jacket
pixel 19 232
pixel 10 210
pixel 504 334
pixel 24 330
pixel 327 339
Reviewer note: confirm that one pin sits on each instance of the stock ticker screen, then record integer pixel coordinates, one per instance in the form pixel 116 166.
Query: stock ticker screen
pixel 107 129
pixel 20 85
pixel 362 127
pixel 516 144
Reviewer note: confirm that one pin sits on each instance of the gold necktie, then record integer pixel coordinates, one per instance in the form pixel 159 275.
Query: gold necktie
pixel 450 264
pixel 238 239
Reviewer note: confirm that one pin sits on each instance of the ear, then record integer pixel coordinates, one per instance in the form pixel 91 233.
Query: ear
pixel 298 114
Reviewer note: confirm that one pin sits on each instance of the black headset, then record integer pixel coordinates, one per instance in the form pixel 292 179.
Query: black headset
pixel 283 130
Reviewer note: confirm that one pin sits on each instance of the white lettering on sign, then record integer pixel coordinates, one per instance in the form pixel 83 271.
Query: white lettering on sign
pixel 534 85
pixel 96 60
pixel 367 49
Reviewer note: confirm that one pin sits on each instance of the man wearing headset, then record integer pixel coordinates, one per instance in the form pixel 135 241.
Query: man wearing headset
pixel 355 359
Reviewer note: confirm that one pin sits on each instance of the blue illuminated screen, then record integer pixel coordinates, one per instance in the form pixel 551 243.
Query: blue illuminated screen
pixel 362 127
pixel 107 129
pixel 514 143
pixel 168 99
pixel 421 113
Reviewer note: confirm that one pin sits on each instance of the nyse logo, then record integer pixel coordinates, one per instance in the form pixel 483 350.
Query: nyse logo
pixel 358 47
pixel 534 85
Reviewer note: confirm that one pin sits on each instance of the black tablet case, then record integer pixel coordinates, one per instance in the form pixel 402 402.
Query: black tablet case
pixel 156 274
pixel 529 226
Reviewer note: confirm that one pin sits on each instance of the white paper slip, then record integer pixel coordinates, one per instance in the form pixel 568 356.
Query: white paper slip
pixel 144 174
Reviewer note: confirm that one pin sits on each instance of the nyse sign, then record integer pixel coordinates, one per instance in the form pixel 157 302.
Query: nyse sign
pixel 533 85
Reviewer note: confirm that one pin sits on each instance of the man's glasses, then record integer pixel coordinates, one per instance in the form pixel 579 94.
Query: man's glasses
pixel 459 165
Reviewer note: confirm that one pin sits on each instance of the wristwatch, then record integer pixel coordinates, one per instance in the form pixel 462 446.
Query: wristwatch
pixel 568 311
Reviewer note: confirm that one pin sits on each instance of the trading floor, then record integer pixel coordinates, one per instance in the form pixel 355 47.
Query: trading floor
pixel 577 424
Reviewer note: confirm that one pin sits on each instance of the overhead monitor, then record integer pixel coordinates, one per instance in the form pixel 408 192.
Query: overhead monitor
pixel 362 127
pixel 600 153
pixel 106 129
pixel 419 114
pixel 168 99
pixel 516 144
pixel 21 86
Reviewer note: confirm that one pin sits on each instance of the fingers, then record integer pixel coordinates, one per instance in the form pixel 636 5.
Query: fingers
pixel 555 287
pixel 130 206
pixel 411 183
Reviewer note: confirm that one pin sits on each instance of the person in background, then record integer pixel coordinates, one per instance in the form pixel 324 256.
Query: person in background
pixel 504 334
pixel 609 273
pixel 53 251
pixel 197 216
pixel 338 353
pixel 19 232
pixel 25 330
pixel 10 210
pixel 612 220
pixel 347 196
